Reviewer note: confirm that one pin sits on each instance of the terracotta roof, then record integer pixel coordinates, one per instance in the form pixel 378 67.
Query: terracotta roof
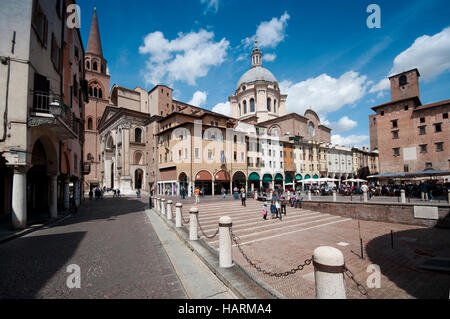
pixel 429 106
pixel 94 44
pixel 415 98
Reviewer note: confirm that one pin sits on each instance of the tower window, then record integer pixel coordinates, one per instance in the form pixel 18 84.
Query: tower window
pixel 90 124
pixel 88 65
pixel 94 67
pixel 269 104
pixel 396 151
pixel 438 127
pixel 445 116
pixel 402 80
pixel 245 107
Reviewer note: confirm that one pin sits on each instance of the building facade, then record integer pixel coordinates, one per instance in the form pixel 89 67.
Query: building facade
pixel 42 104
pixel 409 136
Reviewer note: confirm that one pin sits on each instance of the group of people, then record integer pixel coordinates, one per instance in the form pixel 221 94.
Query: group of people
pixel 97 192
pixel 278 205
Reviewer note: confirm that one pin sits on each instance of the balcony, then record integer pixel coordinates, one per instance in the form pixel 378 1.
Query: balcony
pixel 50 112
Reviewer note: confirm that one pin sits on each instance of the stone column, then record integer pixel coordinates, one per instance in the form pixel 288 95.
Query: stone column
pixel 169 210
pixel 178 215
pixel 225 243
pixel 403 196
pixel 309 195
pixel 193 227
pixel 329 273
pixel 53 196
pixel 365 196
pixel 19 198
pixel 66 193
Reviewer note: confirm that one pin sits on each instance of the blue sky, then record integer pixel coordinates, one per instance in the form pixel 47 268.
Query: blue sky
pixel 322 52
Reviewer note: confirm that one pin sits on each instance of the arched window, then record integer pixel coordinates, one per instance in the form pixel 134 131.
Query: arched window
pixel 95 92
pixel 402 80
pixel 90 91
pixel 269 104
pixel 138 135
pixel 274 106
pixel 138 158
pixel 90 124
pixel 100 93
pixel 245 107
pixel 240 111
pixel 94 67
pixel 252 105
pixel 102 69
pixel 88 65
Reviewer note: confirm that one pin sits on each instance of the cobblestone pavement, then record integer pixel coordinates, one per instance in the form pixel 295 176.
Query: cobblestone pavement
pixel 279 246
pixel 118 253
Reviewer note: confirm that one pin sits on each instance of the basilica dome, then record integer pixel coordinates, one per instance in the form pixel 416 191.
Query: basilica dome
pixel 256 73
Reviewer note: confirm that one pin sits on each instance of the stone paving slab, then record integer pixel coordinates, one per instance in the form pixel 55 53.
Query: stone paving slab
pixel 281 245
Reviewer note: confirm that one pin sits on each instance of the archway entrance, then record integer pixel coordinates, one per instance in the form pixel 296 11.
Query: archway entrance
pixel 239 180
pixel 254 181
pixel 221 181
pixel 267 182
pixel 183 181
pixel 203 181
pixel 138 178
pixel 37 184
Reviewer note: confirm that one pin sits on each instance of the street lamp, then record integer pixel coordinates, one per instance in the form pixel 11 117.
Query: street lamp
pixel 55 108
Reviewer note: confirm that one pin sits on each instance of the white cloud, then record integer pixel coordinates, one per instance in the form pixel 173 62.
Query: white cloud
pixel 211 6
pixel 269 57
pixel 269 33
pixel 324 93
pixel 198 99
pixel 429 54
pixel 222 108
pixel 185 58
pixel 383 85
pixel 351 140
pixel 344 124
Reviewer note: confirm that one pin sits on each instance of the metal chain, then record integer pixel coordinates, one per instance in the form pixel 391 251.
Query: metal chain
pixel 360 287
pixel 266 272
pixel 208 237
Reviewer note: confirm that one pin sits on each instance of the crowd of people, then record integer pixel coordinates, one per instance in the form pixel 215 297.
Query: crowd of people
pixel 99 192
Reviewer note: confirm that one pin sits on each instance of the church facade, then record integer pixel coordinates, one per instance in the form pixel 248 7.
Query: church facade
pixel 150 141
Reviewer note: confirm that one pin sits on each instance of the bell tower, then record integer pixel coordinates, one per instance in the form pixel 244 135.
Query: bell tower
pixel 98 91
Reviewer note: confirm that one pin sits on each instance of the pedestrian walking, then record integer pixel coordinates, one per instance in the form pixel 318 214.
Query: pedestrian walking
pixel 278 208
pixel 138 193
pixel 264 211
pixel 197 196
pixel 183 193
pixel 114 193
pixel 224 193
pixel 243 197
pixel 91 194
pixel 118 193
pixel 273 209
pixel 283 205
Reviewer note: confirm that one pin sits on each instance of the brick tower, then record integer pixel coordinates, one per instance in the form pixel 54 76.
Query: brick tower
pixel 99 96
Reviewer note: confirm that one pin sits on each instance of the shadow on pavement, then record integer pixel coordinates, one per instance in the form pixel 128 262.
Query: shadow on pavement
pixel 28 263
pixel 411 249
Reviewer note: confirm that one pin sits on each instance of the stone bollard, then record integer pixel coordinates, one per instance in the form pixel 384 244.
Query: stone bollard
pixel 403 196
pixel 169 210
pixel 163 207
pixel 334 196
pixel 158 205
pixel 365 196
pixel 178 215
pixel 225 243
pixel 309 195
pixel 193 226
pixel 329 270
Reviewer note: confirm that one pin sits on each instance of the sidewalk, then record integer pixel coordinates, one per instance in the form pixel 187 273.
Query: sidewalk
pixel 7 233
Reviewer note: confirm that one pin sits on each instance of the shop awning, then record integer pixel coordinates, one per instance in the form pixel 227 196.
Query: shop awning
pixel 203 176
pixel 298 177
pixel 267 178
pixel 316 177
pixel 254 177
pixel 307 176
pixel 288 179
pixel 222 176
pixel 278 178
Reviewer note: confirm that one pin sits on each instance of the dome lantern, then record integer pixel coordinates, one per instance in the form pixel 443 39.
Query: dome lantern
pixel 256 56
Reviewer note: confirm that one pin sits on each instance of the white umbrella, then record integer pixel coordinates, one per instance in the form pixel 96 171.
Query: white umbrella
pixel 355 180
